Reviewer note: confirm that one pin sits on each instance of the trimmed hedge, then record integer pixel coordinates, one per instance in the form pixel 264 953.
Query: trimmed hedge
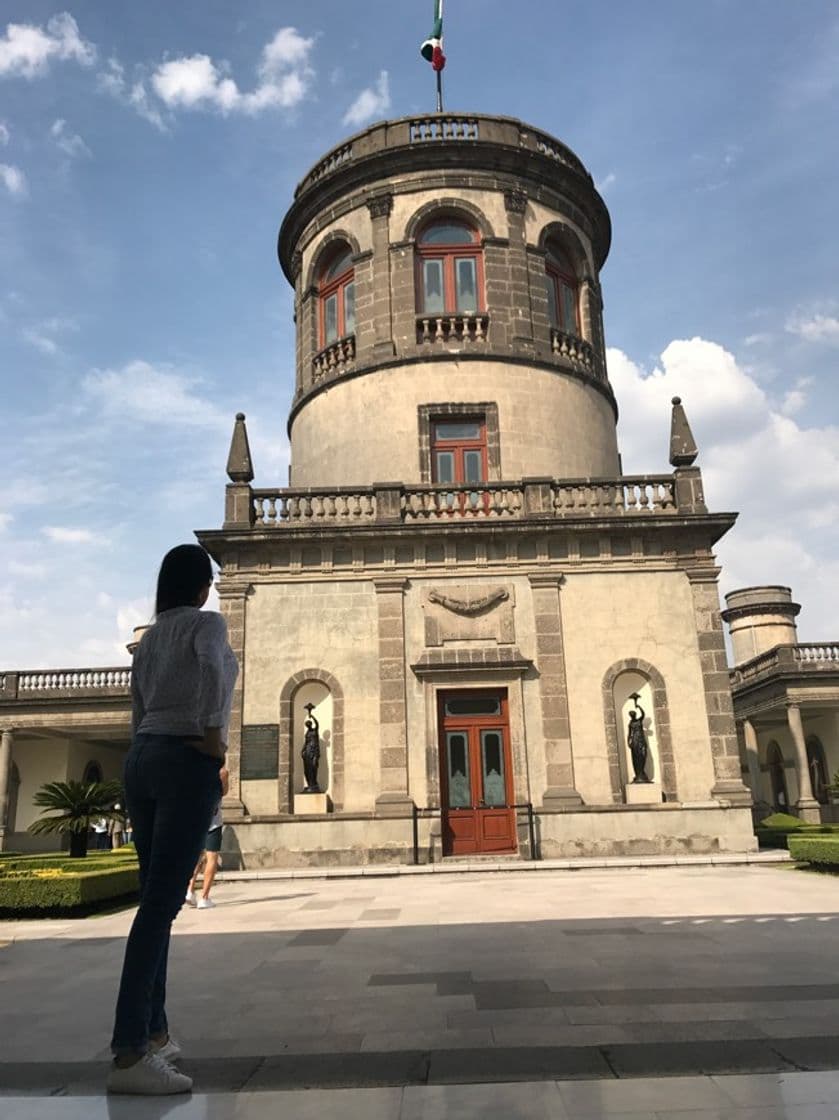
pixel 820 850
pixel 32 886
pixel 777 830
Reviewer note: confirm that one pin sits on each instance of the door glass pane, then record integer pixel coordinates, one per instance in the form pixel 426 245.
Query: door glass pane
pixel 467 285
pixel 552 301
pixel 444 466
pixel 467 430
pixel 569 309
pixel 474 706
pixel 330 319
pixel 473 466
pixel 492 761
pixel 349 308
pixel 460 787
pixel 432 287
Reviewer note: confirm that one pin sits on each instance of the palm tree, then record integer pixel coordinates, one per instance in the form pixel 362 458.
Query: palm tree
pixel 76 805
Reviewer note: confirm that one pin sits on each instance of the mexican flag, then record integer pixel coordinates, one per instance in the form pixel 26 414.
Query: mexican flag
pixel 432 48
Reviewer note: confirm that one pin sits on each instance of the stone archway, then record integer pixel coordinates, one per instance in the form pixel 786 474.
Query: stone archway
pixel 662 725
pixel 308 676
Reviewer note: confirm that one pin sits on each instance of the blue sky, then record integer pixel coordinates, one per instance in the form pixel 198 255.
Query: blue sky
pixel 147 155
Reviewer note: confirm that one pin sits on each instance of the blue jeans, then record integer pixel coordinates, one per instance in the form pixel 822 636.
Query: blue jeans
pixel 171 791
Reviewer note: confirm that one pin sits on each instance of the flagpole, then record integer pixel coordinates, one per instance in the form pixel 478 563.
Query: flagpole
pixel 440 76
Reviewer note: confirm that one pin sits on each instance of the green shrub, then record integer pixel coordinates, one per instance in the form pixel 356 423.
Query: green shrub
pixel 782 822
pixel 823 851
pixel 98 861
pixel 53 890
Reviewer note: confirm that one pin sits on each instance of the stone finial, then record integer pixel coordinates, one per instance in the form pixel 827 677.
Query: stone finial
pixel 239 465
pixel 683 449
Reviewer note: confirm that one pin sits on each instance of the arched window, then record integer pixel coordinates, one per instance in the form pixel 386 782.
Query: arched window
pixel 450 277
pixel 778 779
pixel 563 302
pixel 336 294
pixel 817 764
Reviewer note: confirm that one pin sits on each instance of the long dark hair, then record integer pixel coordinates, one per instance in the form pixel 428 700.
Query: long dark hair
pixel 185 572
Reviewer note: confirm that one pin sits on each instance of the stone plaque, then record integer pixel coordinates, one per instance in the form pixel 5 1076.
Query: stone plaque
pixel 260 758
pixel 474 612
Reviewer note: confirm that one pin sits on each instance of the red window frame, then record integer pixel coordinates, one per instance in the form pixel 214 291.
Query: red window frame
pixel 448 255
pixel 336 285
pixel 459 446
pixel 557 279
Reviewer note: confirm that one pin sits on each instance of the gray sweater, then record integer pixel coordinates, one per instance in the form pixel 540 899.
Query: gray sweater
pixel 183 675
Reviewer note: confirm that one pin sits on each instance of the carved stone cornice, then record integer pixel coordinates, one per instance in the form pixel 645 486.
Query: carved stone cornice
pixel 470 606
pixel 296 264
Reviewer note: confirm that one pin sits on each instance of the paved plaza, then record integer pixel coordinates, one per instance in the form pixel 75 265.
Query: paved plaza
pixel 686 991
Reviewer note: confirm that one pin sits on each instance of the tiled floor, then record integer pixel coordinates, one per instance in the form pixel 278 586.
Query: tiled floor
pixel 796 1096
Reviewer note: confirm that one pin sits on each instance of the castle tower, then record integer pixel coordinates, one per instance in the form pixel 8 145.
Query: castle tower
pixel 485 616
pixel 760 618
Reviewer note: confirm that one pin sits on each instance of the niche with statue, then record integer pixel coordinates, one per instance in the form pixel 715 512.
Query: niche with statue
pixel 311 749
pixel 640 763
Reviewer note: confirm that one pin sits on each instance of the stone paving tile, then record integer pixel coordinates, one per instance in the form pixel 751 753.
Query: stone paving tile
pixel 318 937
pixel 526 1063
pixel 427 1040
pixel 483 1102
pixel 556 1034
pixel 785 1088
pixel 665 1059
pixel 316 1070
pixel 607 1097
pixel 379 915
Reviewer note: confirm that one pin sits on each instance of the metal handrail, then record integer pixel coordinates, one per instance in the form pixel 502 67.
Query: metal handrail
pixel 436 810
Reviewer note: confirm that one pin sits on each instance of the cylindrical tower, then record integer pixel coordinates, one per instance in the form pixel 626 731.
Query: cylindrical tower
pixel 446 277
pixel 760 618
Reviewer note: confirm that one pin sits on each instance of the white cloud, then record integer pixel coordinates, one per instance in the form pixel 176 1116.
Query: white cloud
pixel 13 179
pixel 26 570
pixel 603 185
pixel 63 535
pixel 779 474
pixel 112 81
pixel 793 402
pixel 373 102
pixel 41 336
pixel 5 135
pixel 815 327
pixel 141 392
pixel 5 521
pixel 762 338
pixel 197 82
pixel 68 142
pixel 27 50
pixel 41 342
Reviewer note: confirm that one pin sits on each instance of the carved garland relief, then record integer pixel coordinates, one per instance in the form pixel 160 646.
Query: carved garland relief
pixel 464 613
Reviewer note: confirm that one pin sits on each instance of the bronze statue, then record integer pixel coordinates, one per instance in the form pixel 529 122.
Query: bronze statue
pixel 311 751
pixel 637 740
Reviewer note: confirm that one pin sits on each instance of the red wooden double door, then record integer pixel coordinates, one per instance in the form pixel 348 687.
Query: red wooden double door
pixel 476 774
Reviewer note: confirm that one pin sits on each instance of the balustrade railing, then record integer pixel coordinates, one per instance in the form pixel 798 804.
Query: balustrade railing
pixel 288 507
pixel 574 350
pixel 452 328
pixel 443 128
pixel 630 495
pixel 440 503
pixel 332 161
pixel 814 657
pixel 334 358
pixel 816 654
pixel 51 684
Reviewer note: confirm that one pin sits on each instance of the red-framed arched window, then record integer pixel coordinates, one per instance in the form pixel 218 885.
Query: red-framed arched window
pixel 336 297
pixel 450 269
pixel 563 292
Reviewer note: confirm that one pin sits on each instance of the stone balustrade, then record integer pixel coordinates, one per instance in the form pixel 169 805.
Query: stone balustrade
pixel 292 507
pixel 38 684
pixel 630 496
pixel 576 351
pixel 452 328
pixel 816 657
pixel 334 359
pixel 440 128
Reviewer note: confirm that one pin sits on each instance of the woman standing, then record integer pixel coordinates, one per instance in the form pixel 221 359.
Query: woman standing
pixel 181 688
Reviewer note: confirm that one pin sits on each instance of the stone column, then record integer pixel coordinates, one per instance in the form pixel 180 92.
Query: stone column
pixel 380 207
pixel 752 757
pixel 515 203
pixel 6 742
pixel 807 806
pixel 393 798
pixel 553 687
pixel 728 780
pixel 232 601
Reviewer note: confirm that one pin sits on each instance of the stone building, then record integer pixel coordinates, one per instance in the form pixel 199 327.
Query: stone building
pixel 459 584
pixel 459 578
pixel 786 701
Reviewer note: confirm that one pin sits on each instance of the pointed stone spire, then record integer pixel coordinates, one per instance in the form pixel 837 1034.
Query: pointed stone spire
pixel 683 449
pixel 239 465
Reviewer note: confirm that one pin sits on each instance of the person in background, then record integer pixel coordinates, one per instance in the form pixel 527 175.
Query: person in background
pixel 115 829
pixel 181 689
pixel 211 859
pixel 101 840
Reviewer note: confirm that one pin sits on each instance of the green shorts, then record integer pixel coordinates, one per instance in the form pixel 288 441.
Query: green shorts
pixel 213 841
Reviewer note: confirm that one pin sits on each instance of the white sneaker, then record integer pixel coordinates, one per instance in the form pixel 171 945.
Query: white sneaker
pixel 170 1051
pixel 205 904
pixel 152 1076
pixel 191 898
